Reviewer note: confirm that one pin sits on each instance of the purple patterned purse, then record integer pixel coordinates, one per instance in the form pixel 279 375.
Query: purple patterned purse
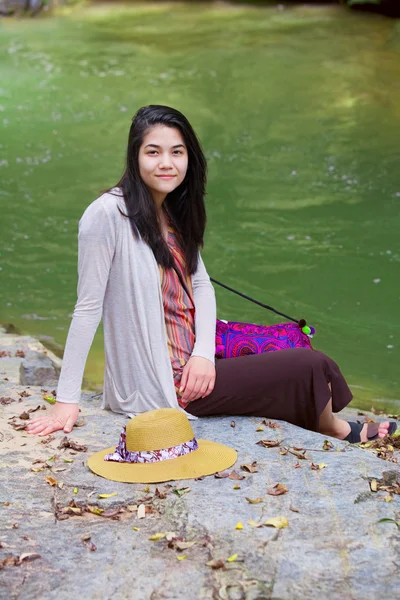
pixel 237 339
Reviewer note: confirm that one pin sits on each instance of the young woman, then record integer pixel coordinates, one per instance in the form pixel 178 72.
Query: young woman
pixel 141 271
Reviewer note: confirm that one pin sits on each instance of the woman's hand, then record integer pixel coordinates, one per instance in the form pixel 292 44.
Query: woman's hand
pixel 62 416
pixel 198 378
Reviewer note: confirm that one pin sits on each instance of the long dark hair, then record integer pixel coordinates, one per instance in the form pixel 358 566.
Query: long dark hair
pixel 184 205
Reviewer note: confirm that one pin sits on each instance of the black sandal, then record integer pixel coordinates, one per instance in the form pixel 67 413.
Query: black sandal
pixel 372 431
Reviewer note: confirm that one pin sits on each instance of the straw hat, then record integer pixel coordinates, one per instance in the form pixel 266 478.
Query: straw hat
pixel 159 445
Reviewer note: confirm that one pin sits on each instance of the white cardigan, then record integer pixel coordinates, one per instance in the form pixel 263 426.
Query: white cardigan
pixel 119 280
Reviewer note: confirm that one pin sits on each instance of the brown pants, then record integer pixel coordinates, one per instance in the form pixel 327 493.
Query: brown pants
pixel 291 385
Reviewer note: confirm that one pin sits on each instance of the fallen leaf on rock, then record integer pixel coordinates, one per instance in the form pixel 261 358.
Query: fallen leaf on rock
pixel 24 394
pixel 373 485
pixel 255 501
pixel 322 465
pixel 86 537
pixel 18 426
pixel 48 439
pixel 135 528
pixel 146 489
pixel 182 557
pixel 68 460
pixel 161 493
pixel 216 564
pixel 141 513
pixel 32 410
pixel 284 451
pixel 233 424
pixel 232 558
pixel 327 445
pixel 278 522
pixel 183 545
pixel 293 509
pixel 239 525
pixel 27 556
pixel 270 424
pixel 268 443
pixel 254 523
pixel 158 536
pixel 80 422
pixel 297 465
pixel 95 509
pixel 49 399
pixel 89 544
pixel 221 475
pixel 20 354
pixel 75 490
pixel 181 491
pixel 236 487
pixel 299 453
pixel 60 485
pixel 386 520
pixel 278 490
pixel 388 498
pixel 107 495
pixel 4 401
pixel 51 481
pixel 260 428
pixel 235 476
pixel 67 443
pixel 112 513
pixel 4 353
pixel 250 468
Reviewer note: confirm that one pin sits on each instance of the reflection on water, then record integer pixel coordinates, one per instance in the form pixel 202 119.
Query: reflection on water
pixel 298 111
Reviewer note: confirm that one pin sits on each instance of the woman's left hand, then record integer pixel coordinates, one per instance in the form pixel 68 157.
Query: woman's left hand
pixel 198 378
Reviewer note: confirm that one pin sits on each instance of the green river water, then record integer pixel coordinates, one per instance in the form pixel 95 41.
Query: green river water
pixel 299 113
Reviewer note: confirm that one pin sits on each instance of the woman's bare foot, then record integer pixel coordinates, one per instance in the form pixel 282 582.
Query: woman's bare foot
pixel 340 429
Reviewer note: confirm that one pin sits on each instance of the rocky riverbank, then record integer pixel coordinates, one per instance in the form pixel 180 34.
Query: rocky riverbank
pixel 66 532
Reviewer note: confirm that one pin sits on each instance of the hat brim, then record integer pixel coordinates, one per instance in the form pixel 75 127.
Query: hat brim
pixel 209 458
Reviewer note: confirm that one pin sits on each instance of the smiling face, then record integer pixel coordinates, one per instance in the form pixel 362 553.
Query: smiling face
pixel 163 161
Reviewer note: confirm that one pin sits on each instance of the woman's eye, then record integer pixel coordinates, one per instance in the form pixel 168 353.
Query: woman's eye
pixel 178 152
pixel 152 152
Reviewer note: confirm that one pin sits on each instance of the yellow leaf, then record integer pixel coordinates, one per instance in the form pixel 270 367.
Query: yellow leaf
pixel 49 399
pixel 107 495
pixel 232 558
pixel 158 536
pixel 260 428
pixel 390 448
pixel 182 557
pixel 51 481
pixel 239 525
pixel 374 485
pixel 132 507
pixel 254 523
pixel 61 485
pixel 141 512
pixel 255 501
pixel 135 528
pixel 322 465
pixel 146 489
pixel 68 460
pixel 278 522
pixel 75 490
pixel 236 487
pixel 388 498
pixel 95 509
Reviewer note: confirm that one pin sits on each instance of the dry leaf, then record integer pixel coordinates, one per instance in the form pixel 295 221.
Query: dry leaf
pixel 24 416
pixel 4 401
pixel 388 498
pixel 75 490
pixel 135 528
pixel 141 513
pixel 235 476
pixel 233 424
pixel 239 525
pixel 250 468
pixel 322 465
pixel 67 443
pixel 232 558
pixel 51 481
pixel 255 501
pixel 158 536
pixel 215 564
pixel 373 485
pixel 107 495
pixel 327 445
pixel 26 556
pixel 293 509
pixel 236 487
pixel 278 490
pixel 268 443
pixel 278 522
pixel 221 475
pixel 297 465
pixel 95 509
pixel 181 491
pixel 260 428
pixel 254 523
pixel 182 557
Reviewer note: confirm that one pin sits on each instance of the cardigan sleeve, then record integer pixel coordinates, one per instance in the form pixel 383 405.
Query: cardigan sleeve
pixel 205 313
pixel 96 246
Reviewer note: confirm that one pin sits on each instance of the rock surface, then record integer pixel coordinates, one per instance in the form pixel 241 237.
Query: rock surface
pixel 334 546
pixel 58 544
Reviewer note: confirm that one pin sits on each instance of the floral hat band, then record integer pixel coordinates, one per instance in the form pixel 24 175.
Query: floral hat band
pixel 160 445
pixel 121 454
